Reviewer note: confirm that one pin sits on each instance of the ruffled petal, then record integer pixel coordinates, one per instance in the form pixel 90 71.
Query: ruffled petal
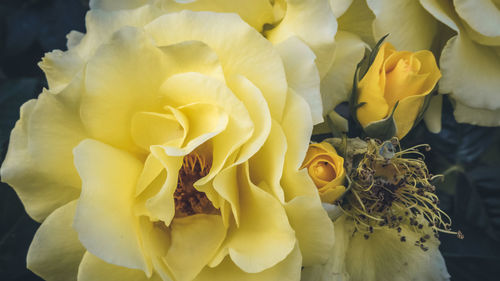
pixel 313 228
pixel 470 73
pixel 195 240
pixel 256 13
pixel 476 116
pixel 264 237
pixel 104 217
pixel 358 20
pixel 482 15
pixel 43 139
pixel 240 48
pixel 55 239
pixel 286 270
pixel 111 97
pixel 302 74
pixel 93 268
pixel 399 19
pixel 314 23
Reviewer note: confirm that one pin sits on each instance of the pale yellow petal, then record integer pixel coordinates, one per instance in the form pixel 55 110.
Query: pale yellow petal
pixel 470 73
pixel 302 73
pixel 112 97
pixel 74 37
pixel 227 186
pixel 60 68
pixel 433 114
pixel 104 217
pixel 476 116
pixel 264 237
pixel 258 110
pixel 313 22
pixel 101 24
pixel 442 11
pixel 193 56
pixel 151 128
pixel 43 140
pixel 399 19
pixel 297 126
pixel 267 165
pixel 240 48
pixel 358 20
pixel 195 239
pixel 482 15
pixel 286 270
pixel 336 86
pixel 313 228
pixel 197 88
pixel 339 7
pixel 53 240
pixel 93 268
pixel 256 13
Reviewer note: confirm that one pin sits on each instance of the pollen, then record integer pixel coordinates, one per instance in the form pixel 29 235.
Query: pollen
pixel 188 200
pixel 394 190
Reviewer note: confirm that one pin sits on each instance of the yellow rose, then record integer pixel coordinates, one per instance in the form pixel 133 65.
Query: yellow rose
pixel 466 34
pixel 400 77
pixel 326 168
pixel 168 147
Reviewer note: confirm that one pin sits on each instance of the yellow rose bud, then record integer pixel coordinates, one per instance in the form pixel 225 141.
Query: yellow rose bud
pixel 326 169
pixel 397 76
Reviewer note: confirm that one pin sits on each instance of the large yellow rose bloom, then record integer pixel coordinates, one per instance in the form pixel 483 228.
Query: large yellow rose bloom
pixel 168 147
pixel 396 77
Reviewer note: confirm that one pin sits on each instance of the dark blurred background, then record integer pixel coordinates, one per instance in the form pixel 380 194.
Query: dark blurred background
pixel 468 156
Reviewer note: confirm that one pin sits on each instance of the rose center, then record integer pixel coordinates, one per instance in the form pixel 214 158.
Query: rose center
pixel 324 171
pixel 188 200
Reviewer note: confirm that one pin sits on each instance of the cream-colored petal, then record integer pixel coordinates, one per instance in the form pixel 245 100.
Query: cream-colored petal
pixel 152 168
pixel 258 110
pixel 240 48
pixel 111 5
pixel 111 97
pixel 227 186
pixel 93 268
pixel 432 117
pixel 151 128
pixel 60 68
pixel 42 140
pixel 267 165
pixel 482 15
pixel 101 24
pixel 384 257
pixel 55 239
pixel 264 237
pixel 193 56
pixel 339 7
pixel 442 11
pixel 400 19
pixel 476 116
pixel 470 73
pixel 358 20
pixel 313 22
pixel 190 88
pixel 286 270
pixel 104 216
pixel 302 73
pixel 161 206
pixel 334 268
pixel 74 37
pixel 256 13
pixel 313 228
pixel 336 86
pixel 195 239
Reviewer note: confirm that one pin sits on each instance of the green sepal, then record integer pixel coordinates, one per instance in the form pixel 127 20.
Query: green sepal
pixel 384 129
